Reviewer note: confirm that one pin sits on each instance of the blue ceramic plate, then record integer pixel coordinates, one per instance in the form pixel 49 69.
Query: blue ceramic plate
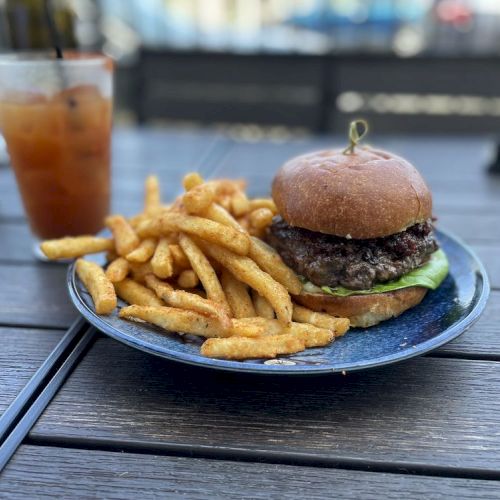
pixel 442 316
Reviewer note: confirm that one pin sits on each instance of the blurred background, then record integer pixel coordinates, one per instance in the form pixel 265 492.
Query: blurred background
pixel 280 67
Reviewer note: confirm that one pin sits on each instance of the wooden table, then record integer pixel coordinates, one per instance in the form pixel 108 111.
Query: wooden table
pixel 122 424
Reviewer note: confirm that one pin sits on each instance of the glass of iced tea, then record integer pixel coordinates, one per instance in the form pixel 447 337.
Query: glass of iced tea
pixel 55 116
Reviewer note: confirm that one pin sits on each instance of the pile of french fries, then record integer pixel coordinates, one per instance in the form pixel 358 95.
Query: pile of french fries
pixel 200 266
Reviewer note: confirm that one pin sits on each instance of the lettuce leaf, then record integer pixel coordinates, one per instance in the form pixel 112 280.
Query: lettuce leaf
pixel 430 275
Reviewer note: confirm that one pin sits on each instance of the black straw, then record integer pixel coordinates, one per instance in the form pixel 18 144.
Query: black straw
pixel 54 34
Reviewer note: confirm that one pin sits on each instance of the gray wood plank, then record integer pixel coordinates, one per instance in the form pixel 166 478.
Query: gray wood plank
pixel 471 227
pixel 490 256
pixel 482 339
pixel 437 412
pixel 46 472
pixel 17 242
pixel 22 352
pixel 35 295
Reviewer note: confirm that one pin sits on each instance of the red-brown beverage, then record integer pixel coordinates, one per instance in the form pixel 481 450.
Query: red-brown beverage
pixel 59 146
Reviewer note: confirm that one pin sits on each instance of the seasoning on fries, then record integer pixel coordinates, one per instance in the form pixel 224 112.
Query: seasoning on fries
pixel 199 266
pixel 100 288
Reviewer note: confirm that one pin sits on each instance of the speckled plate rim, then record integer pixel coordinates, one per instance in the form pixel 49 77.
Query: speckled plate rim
pixel 444 337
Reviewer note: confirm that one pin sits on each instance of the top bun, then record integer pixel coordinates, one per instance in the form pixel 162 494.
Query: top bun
pixel 366 194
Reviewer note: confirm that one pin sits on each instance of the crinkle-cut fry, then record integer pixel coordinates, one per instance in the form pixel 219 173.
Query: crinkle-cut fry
pixel 260 218
pixel 152 197
pixel 98 285
pixel 321 320
pixel 237 296
pixel 263 203
pixel 247 348
pixel 180 259
pixel 188 279
pixel 205 229
pixel 219 214
pixel 199 198
pixel 269 260
pixel 124 235
pixel 162 261
pixel 262 306
pixel 140 270
pixel 192 180
pixel 143 252
pixel 204 270
pixel 134 293
pixel 246 270
pixel 75 246
pixel 117 270
pixel 240 205
pixel 186 300
pixel 177 320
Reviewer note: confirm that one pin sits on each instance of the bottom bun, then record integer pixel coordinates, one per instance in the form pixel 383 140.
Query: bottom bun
pixel 364 310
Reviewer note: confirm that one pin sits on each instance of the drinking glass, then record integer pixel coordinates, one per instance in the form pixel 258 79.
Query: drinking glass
pixel 55 116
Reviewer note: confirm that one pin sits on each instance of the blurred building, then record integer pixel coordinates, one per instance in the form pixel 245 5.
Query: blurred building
pixel 410 65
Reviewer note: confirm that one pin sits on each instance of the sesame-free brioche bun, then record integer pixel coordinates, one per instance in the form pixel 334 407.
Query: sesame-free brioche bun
pixel 364 310
pixel 369 193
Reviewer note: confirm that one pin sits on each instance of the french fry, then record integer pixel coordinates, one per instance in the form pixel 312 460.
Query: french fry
pixel 243 327
pixel 152 200
pixel 204 271
pixel 237 296
pixel 219 214
pixel 262 306
pixel 140 270
pixel 162 261
pixel 260 218
pixel 188 279
pixel 192 180
pixel 199 198
pixel 269 260
pixel 205 229
pixel 135 293
pixel 310 334
pixel 186 300
pixel 177 320
pixel 143 252
pixel 257 203
pixel 75 246
pixel 100 288
pixel 117 270
pixel 313 336
pixel 179 257
pixel 225 202
pixel 225 188
pixel 246 348
pixel 321 320
pixel 248 271
pixel 244 223
pixel 124 235
pixel 111 255
pixel 211 234
pixel 239 204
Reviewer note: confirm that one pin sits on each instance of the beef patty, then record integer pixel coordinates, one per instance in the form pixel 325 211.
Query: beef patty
pixel 328 260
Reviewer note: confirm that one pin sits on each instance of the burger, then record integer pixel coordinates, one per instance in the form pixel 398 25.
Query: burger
pixel 357 227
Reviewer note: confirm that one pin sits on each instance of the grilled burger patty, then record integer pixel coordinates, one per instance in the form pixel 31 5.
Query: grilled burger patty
pixel 328 260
